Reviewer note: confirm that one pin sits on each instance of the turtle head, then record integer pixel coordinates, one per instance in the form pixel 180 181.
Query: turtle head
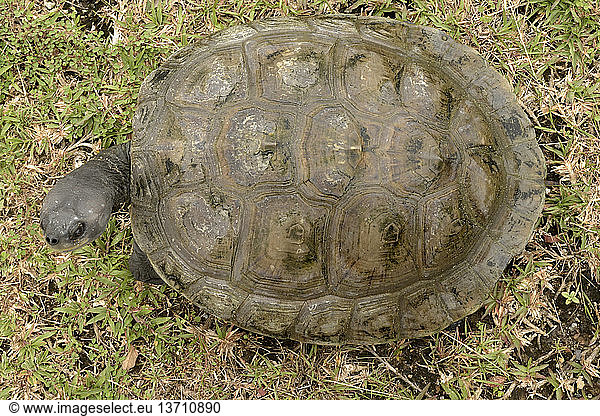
pixel 73 215
pixel 76 211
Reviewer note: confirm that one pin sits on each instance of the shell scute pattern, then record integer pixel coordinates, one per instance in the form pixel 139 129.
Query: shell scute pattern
pixel 372 246
pixel 210 79
pixel 370 80
pixel 333 179
pixel 291 69
pixel 282 255
pixel 257 146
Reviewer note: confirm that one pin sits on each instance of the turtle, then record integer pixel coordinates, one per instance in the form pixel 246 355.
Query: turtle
pixel 331 180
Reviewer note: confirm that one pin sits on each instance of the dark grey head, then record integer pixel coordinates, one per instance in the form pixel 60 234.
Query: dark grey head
pixel 76 211
pixel 73 215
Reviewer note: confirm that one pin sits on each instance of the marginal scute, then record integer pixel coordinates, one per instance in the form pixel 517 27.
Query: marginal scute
pixel 182 55
pixel 157 83
pixel 271 316
pixel 528 196
pixel 412 40
pixel 233 35
pixel 491 88
pixel 323 320
pixel 512 120
pixel 488 258
pixel 421 310
pixel 466 66
pixel 526 161
pixel 216 296
pixel 462 292
pixel 342 27
pixel 375 318
pixel 149 239
pixel 510 224
pixel 173 271
pixel 282 26
pixel 146 112
pixel 429 43
pixel 382 30
pixel 144 187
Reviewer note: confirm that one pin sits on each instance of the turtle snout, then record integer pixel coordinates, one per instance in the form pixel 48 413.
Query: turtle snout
pixel 52 240
pixel 51 231
pixel 62 230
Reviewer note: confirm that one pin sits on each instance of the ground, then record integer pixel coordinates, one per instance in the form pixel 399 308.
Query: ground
pixel 77 325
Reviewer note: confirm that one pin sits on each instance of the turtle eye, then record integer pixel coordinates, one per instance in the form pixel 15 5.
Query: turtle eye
pixel 77 231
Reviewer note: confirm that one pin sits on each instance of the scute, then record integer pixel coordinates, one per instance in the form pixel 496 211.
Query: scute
pixel 256 147
pixel 425 94
pixel 211 79
pixel 291 70
pixel 203 229
pixel 272 316
pixel 462 289
pixel 333 149
pixel 216 295
pixel 448 231
pixel 373 244
pixel 283 252
pixel 323 320
pixel 333 179
pixel 371 79
pixel 375 317
pixel 418 159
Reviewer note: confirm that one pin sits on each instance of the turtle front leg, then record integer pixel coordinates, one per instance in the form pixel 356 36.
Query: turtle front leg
pixel 76 211
pixel 141 268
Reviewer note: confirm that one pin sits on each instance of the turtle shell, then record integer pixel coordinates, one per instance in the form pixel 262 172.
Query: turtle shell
pixel 333 180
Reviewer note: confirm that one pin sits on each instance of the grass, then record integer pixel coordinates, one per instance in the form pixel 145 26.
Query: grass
pixel 78 326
